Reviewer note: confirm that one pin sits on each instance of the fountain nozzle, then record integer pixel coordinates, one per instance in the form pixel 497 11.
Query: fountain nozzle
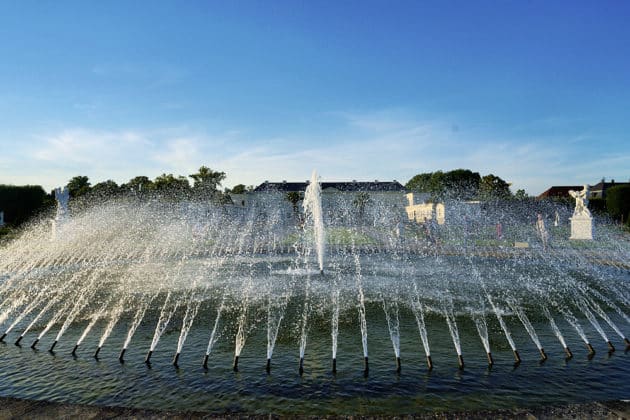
pixel 235 364
pixel 17 342
pixel 398 367
pixel 517 358
pixel 460 361
pixel 611 348
pixel 175 360
pixel 625 341
pixel 366 365
pixel 591 350
pixel 148 359
pixel 321 271
pixel 543 356
pixel 98 349
pixel 121 357
pixel 74 350
pixel 268 367
pixel 53 346
pixel 3 335
pixel 334 365
pixel 567 350
pixel 205 361
pixel 35 343
pixel 301 366
pixel 490 361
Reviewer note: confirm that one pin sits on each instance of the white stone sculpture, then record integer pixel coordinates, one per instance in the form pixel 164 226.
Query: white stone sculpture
pixel 582 221
pixel 62 196
pixel 581 201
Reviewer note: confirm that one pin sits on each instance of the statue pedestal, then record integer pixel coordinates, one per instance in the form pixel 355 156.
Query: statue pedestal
pixel 581 227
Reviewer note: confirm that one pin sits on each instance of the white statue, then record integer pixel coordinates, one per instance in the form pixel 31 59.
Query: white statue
pixel 581 201
pixel 542 231
pixel 62 197
pixel 556 220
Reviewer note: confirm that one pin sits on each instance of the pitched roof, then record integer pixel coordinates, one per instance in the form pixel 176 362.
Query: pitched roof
pixel 353 186
pixel 560 191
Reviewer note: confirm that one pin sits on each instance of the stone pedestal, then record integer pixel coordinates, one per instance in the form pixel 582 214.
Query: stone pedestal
pixel 581 227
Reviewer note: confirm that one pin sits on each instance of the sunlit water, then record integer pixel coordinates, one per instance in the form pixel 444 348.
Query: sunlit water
pixel 194 281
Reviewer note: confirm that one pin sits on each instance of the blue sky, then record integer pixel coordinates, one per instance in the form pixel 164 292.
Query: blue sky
pixel 536 92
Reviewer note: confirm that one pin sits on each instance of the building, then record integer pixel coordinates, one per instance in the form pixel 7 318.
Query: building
pixel 597 190
pixel 419 210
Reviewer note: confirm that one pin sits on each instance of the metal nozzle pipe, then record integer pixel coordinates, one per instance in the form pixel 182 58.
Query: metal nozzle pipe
pixel 334 365
pixel 398 367
pixel 543 356
pixel 35 343
pixel 625 340
pixel 17 342
pixel 3 335
pixel 366 365
pixel 590 348
pixel 567 350
pixel 611 348
pixel 98 349
pixel 429 362
pixel 121 356
pixel 460 361
pixel 205 361
pixel 301 365
pixel 517 357
pixel 235 364
pixel 490 361
pixel 148 359
pixel 176 360
pixel 268 366
pixel 74 350
pixel 53 346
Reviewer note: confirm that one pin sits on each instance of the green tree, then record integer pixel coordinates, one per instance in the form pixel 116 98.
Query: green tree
pixel 105 189
pixel 461 184
pixel 420 182
pixel 139 184
pixel 239 189
pixel 492 187
pixel 521 195
pixel 361 200
pixel 19 203
pixel 618 202
pixel 78 186
pixel 294 197
pixel 171 185
pixel 207 180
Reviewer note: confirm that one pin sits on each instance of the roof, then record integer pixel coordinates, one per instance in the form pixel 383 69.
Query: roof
pixel 352 186
pixel 560 191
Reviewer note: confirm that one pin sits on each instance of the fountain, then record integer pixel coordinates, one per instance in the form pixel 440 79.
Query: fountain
pixel 207 296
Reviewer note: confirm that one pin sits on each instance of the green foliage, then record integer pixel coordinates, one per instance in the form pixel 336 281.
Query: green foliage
pixel 207 180
pixel 294 197
pixel 138 184
pixel 105 189
pixel 461 184
pixel 238 189
pixel 618 202
pixel 78 186
pixel 492 187
pixel 521 195
pixel 361 200
pixel 597 205
pixel 170 184
pixel 19 203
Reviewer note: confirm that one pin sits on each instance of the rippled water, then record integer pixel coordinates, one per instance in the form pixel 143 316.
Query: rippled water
pixel 39 374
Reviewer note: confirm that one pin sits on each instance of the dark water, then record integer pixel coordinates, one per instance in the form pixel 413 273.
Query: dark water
pixel 38 374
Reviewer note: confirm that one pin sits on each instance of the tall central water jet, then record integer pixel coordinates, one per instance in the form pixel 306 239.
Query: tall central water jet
pixel 313 212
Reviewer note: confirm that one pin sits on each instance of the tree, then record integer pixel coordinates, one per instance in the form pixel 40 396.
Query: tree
pixel 105 189
pixel 420 182
pixel 239 189
pixel 618 202
pixel 139 184
pixel 361 200
pixel 19 203
pixel 521 195
pixel 207 180
pixel 171 185
pixel 294 197
pixel 492 187
pixel 462 184
pixel 78 186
